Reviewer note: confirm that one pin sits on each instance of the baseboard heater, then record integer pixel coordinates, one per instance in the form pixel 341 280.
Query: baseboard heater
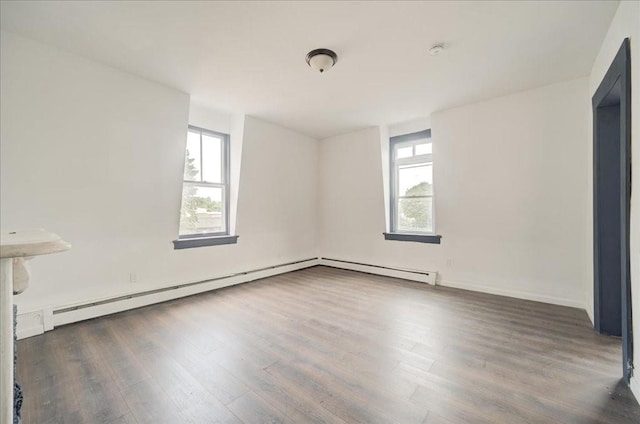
pixel 66 315
pixel 37 322
pixel 428 277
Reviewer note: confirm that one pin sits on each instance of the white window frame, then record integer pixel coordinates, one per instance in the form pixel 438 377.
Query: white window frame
pixel 224 184
pixel 398 142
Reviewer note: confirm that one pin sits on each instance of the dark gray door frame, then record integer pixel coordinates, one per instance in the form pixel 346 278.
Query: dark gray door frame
pixel 611 204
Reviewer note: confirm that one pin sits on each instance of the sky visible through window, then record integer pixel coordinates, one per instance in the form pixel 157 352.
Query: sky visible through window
pixel 203 193
pixel 414 204
pixel 412 175
pixel 211 158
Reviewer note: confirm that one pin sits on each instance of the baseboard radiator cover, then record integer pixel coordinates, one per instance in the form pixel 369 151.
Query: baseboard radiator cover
pixel 37 322
pixel 428 277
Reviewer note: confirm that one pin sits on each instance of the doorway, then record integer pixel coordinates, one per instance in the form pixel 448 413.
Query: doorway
pixel 611 204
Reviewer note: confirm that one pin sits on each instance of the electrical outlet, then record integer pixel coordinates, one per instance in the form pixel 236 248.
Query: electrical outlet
pixel 133 278
pixel 449 263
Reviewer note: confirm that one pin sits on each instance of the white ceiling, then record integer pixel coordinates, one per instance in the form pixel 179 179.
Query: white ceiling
pixel 249 56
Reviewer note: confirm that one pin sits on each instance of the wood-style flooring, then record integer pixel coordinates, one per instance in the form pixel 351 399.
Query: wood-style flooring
pixel 323 345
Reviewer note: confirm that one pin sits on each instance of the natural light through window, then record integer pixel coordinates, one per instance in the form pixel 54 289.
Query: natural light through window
pixel 412 183
pixel 205 190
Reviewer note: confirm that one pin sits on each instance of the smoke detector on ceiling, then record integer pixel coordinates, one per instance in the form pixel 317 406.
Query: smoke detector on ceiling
pixel 436 49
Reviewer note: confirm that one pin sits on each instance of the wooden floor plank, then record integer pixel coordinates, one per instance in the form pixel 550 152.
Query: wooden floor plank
pixel 324 345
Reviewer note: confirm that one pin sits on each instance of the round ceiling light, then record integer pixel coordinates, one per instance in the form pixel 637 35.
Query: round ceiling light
pixel 321 59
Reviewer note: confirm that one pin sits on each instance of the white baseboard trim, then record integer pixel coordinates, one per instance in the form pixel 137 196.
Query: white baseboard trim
pixel 634 384
pixel 29 324
pixel 428 277
pixel 37 322
pixel 589 309
pixel 512 293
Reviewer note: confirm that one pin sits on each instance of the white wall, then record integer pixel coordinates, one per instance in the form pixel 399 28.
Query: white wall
pixel 277 209
pixel 626 23
pixel 351 204
pixel 408 127
pixel 510 185
pixel 96 155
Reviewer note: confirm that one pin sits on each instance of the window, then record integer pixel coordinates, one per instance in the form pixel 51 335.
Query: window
pixel 204 213
pixel 411 176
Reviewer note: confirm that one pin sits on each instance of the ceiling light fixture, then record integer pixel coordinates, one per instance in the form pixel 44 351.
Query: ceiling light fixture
pixel 321 59
pixel 436 49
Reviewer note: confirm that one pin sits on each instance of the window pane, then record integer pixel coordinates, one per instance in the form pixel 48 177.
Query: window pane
pixel 415 214
pixel 202 210
pixel 192 158
pixel 211 159
pixel 404 152
pixel 423 149
pixel 415 180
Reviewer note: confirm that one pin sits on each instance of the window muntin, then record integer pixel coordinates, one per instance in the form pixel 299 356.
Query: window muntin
pixel 412 184
pixel 205 190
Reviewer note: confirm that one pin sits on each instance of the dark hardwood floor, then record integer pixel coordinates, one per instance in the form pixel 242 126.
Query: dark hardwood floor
pixel 323 345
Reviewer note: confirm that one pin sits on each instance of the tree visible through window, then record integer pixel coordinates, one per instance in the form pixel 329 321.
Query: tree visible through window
pixel 205 187
pixel 412 183
pixel 414 214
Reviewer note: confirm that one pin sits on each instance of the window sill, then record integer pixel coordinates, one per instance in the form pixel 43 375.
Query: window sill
pixel 419 238
pixel 188 243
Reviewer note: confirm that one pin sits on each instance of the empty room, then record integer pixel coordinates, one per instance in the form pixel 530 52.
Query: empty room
pixel 307 212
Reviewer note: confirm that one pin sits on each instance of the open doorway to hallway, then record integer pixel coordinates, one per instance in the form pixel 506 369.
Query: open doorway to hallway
pixel 611 203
